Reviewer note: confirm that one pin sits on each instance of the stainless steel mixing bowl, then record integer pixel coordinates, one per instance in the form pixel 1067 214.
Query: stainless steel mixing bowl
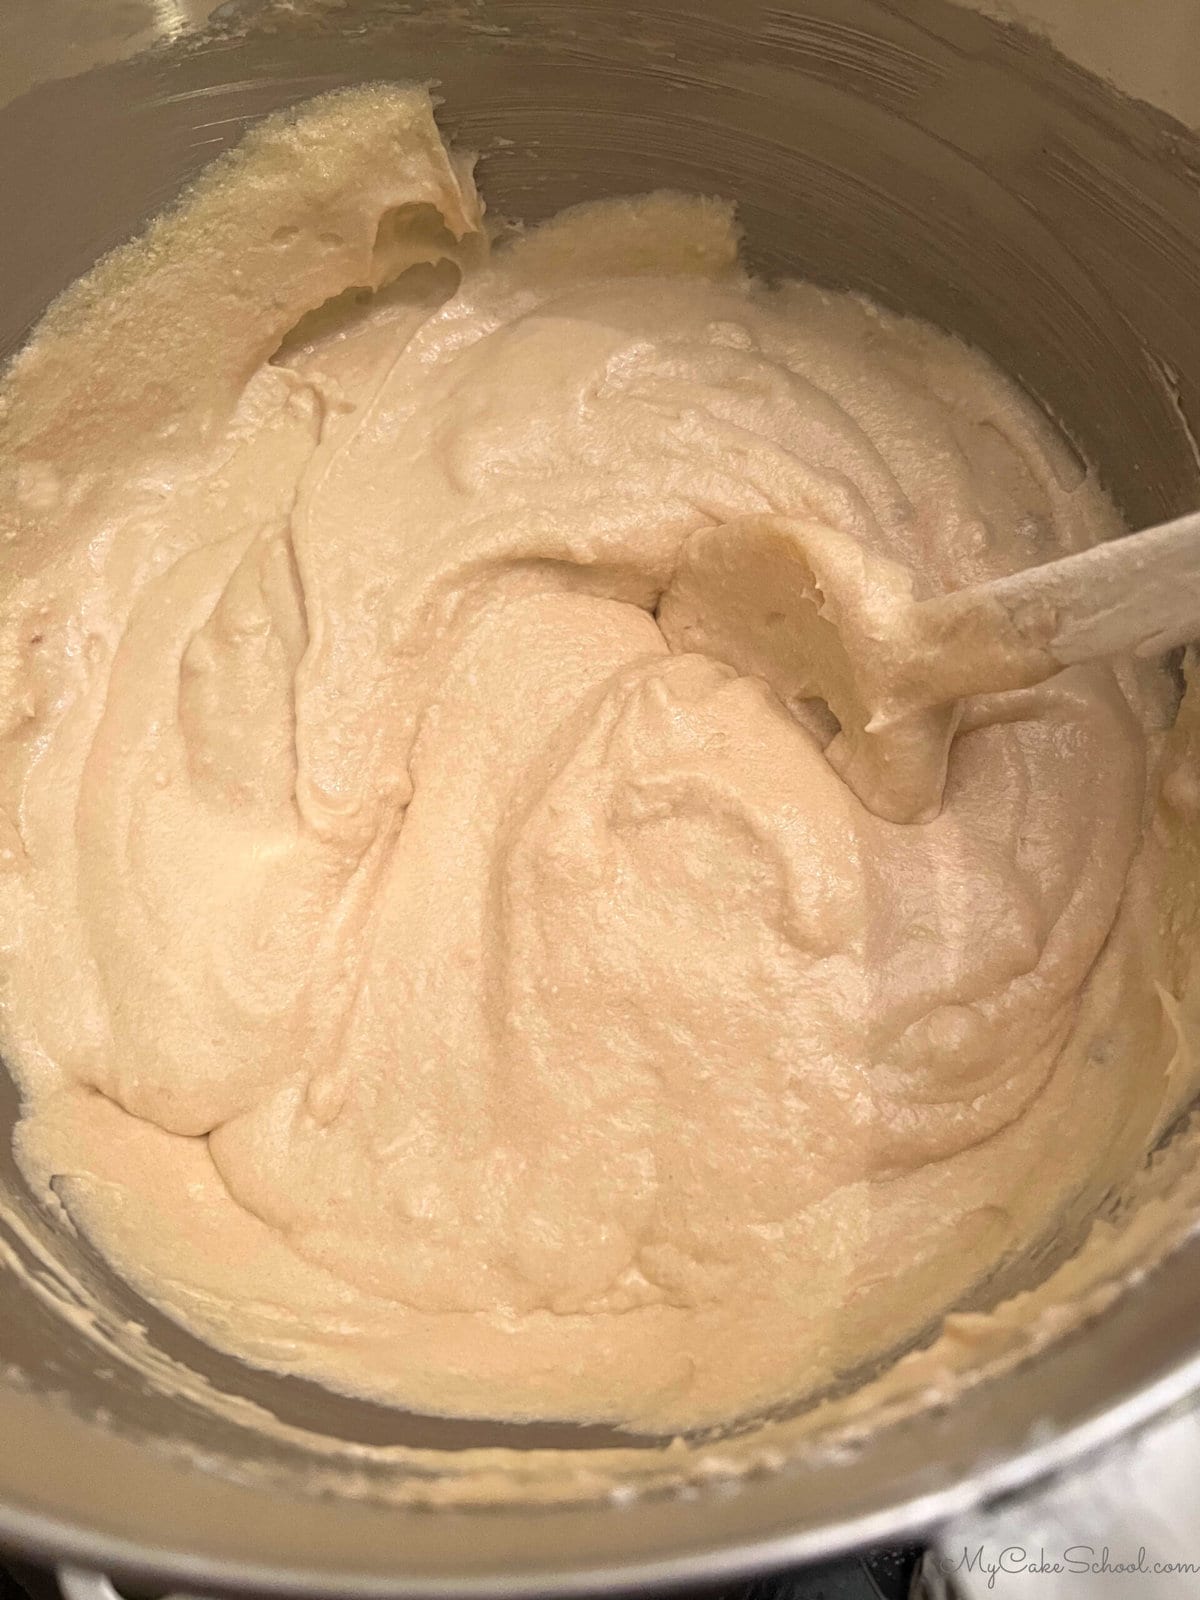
pixel 942 162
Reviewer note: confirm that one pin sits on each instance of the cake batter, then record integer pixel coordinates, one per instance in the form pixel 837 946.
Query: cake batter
pixel 445 954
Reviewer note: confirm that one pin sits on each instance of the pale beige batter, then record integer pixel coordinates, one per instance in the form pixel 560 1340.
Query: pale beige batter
pixel 442 954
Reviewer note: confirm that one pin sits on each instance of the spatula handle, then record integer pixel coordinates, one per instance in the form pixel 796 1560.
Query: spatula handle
pixel 1136 595
pixel 1139 594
